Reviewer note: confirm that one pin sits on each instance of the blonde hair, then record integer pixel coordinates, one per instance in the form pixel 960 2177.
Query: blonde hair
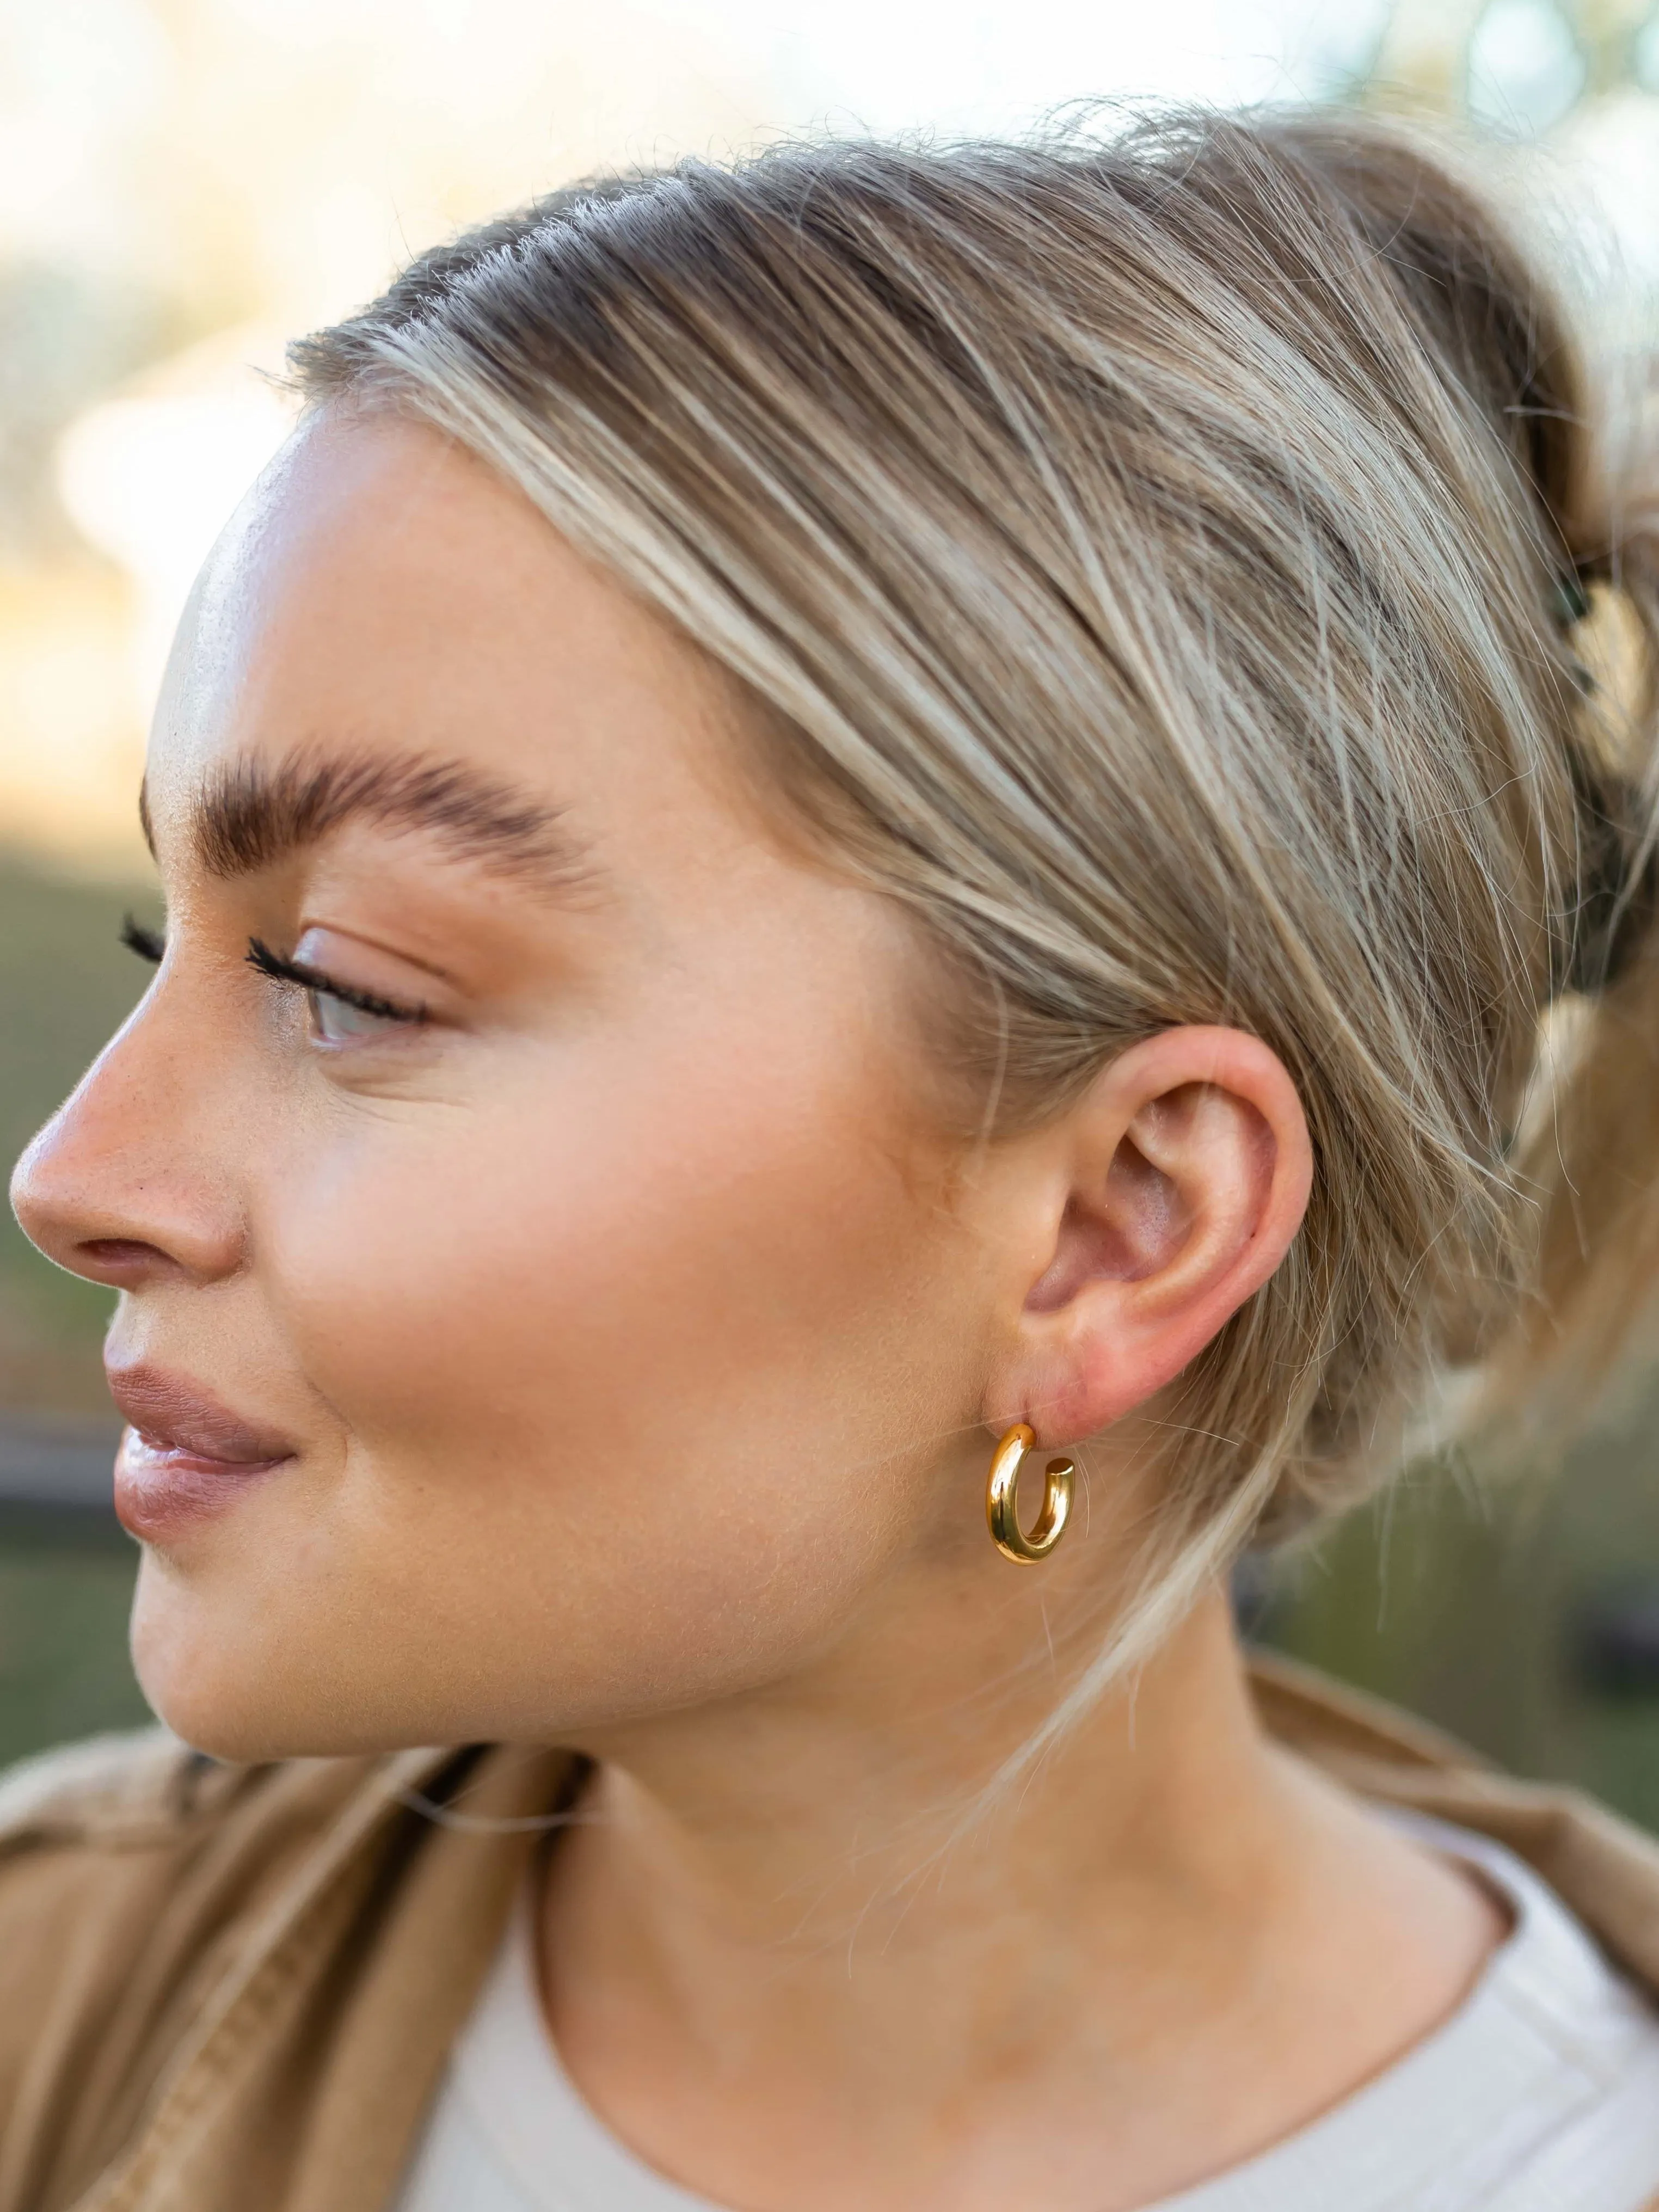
pixel 1159 562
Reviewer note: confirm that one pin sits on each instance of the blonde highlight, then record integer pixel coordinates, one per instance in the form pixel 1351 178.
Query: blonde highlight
pixel 1157 560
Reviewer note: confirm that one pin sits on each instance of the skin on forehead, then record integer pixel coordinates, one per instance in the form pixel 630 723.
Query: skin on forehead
pixel 427 694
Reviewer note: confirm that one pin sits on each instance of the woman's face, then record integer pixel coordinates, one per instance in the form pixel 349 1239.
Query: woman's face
pixel 583 1346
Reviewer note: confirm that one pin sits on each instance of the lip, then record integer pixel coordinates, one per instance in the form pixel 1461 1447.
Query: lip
pixel 185 1455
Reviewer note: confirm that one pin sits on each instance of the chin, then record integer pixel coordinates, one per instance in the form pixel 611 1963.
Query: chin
pixel 226 1689
pixel 240 1717
pixel 213 1708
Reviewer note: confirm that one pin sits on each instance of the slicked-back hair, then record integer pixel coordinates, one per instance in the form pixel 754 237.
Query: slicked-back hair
pixel 1158 563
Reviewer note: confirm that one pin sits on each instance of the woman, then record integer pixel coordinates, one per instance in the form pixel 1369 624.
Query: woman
pixel 829 821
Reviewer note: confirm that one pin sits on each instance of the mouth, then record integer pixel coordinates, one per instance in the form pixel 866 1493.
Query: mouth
pixel 183 1454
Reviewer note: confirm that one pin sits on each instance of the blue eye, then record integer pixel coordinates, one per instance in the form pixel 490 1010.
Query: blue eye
pixel 340 1015
pixel 339 1020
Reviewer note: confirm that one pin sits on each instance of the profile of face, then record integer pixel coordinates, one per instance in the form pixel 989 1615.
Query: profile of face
pixel 553 1290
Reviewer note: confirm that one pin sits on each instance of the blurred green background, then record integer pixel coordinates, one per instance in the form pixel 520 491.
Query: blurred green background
pixel 66 984
pixel 1520 1613
pixel 66 1568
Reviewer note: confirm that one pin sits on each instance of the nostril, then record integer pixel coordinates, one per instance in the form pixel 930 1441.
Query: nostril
pixel 113 1258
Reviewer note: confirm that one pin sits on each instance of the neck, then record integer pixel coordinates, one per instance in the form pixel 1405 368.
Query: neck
pixel 870 1799
pixel 776 1947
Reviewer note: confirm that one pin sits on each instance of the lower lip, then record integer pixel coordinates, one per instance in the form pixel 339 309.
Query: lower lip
pixel 163 1488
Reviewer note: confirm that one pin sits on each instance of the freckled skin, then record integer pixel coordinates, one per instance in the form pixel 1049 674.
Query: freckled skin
pixel 640 1325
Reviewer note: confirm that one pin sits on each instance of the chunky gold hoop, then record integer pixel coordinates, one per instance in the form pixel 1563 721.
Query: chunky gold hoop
pixel 1001 1514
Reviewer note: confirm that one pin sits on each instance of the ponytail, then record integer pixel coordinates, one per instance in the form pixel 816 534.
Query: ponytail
pixel 1589 1147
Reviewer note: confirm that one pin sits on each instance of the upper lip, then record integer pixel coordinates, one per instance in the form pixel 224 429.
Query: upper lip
pixel 179 1415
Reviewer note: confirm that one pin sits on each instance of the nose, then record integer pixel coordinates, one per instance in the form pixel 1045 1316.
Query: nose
pixel 113 1189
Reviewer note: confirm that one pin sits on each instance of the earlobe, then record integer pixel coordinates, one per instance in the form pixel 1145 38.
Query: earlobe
pixel 1187 1177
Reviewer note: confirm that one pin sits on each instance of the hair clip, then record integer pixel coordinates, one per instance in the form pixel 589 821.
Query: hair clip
pixel 1572 600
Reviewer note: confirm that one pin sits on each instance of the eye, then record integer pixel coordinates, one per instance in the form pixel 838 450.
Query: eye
pixel 336 1019
pixel 339 1014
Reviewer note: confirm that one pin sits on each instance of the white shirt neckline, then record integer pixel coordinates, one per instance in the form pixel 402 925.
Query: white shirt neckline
pixel 507 2074
pixel 1542 2091
pixel 1547 2033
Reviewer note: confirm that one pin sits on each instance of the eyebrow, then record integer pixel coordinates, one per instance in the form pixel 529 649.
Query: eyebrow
pixel 248 816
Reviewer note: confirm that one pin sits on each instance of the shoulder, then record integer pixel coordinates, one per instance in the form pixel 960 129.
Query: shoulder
pixel 112 1788
pixel 131 1869
pixel 92 1839
pixel 1602 1868
pixel 120 1815
pixel 99 1831
pixel 147 1795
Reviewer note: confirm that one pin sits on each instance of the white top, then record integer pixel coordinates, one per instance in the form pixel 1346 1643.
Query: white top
pixel 1540 2093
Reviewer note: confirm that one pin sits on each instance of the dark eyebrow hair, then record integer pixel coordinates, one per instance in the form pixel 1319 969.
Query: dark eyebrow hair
pixel 248 815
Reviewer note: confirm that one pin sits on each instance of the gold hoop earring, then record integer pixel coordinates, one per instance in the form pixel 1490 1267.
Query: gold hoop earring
pixel 1001 1513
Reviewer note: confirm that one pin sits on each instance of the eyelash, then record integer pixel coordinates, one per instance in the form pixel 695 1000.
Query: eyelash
pixel 150 945
pixel 260 955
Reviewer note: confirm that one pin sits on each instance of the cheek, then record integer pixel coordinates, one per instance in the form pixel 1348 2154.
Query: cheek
pixel 592 1257
pixel 662 1375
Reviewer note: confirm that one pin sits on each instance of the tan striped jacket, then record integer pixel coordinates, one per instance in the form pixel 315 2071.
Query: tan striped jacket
pixel 234 1990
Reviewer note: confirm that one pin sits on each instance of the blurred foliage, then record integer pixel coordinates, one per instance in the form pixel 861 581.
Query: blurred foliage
pixel 66 985
pixel 65 1591
pixel 1475 1601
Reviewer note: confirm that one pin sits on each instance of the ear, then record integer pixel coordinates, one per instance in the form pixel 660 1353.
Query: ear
pixel 1169 1193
